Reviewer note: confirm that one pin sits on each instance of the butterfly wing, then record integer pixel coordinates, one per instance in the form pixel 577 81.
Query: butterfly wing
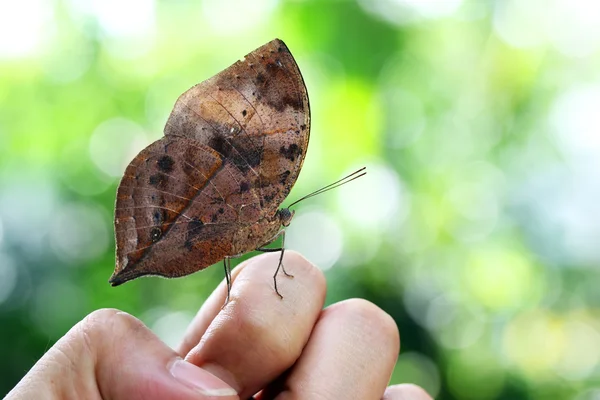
pixel 163 208
pixel 232 150
pixel 257 116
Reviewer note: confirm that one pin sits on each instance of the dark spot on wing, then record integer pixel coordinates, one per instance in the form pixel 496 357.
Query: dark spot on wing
pixel 303 127
pixel 195 228
pixel 165 164
pixel 291 101
pixel 246 159
pixel 220 144
pixel 158 180
pixel 269 198
pixel 244 187
pixel 213 218
pixel 291 152
pixel 240 150
pixel 244 112
pixel 283 177
pixel 221 211
pixel 245 154
pixel 157 217
pixel 155 234
pixel 279 92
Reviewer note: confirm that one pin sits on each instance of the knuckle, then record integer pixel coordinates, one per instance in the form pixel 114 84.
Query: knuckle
pixel 91 328
pixel 97 318
pixel 107 323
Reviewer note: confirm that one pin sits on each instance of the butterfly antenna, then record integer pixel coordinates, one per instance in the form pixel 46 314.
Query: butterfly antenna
pixel 349 178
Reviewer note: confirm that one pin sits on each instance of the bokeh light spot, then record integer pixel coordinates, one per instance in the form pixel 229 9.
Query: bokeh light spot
pixel 79 232
pixel 574 118
pixel 582 351
pixel 28 202
pixel 455 325
pixel 125 19
pixel 534 342
pixel 78 171
pixel 317 236
pixel 232 17
pixel 25 27
pixel 127 28
pixel 501 279
pixel 583 14
pixel 520 23
pixel 402 12
pixel 114 143
pixel 375 201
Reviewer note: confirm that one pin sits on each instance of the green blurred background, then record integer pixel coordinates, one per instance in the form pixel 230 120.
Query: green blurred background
pixel 476 228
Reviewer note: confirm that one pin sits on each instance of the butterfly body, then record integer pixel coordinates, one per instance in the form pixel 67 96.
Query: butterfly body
pixel 211 188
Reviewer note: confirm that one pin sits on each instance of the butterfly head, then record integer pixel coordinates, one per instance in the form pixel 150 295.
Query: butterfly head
pixel 285 216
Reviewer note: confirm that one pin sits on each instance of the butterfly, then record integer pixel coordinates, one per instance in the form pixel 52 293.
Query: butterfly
pixel 211 188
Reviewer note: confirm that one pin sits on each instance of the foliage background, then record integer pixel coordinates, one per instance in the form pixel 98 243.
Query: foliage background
pixel 477 227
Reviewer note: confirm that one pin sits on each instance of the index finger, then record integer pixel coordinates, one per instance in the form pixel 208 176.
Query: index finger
pixel 257 335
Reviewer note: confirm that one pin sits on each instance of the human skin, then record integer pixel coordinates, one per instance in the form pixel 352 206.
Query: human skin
pixel 284 349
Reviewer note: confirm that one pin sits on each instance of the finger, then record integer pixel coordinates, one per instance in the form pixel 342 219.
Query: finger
pixel 214 303
pixel 111 355
pixel 350 355
pixel 257 336
pixel 406 391
pixel 207 312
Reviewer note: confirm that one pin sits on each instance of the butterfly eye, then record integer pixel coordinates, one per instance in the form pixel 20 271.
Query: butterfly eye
pixel 155 234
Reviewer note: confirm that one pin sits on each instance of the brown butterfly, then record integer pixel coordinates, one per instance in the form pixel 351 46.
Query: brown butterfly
pixel 211 188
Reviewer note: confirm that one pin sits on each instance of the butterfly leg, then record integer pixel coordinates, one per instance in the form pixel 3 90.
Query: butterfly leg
pixel 227 267
pixel 281 257
pixel 280 265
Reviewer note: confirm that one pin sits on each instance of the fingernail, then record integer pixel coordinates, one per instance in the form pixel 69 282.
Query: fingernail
pixel 199 379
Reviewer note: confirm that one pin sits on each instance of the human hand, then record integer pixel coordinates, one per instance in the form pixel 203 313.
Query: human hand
pixel 288 349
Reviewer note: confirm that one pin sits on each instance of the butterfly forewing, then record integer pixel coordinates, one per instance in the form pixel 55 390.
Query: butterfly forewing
pixel 256 114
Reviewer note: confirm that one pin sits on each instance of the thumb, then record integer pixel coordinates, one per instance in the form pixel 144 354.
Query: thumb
pixel 112 355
